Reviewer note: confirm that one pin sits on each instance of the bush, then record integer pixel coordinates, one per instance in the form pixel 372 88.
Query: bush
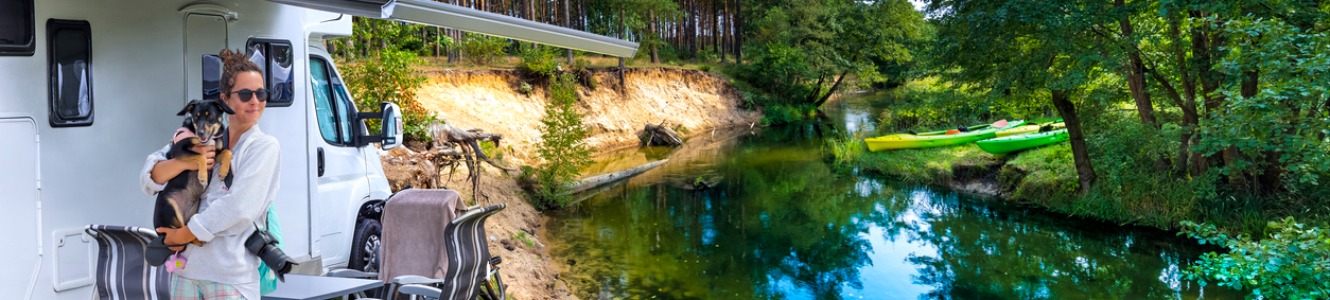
pixel 584 75
pixel 1291 262
pixel 390 78
pixel 561 148
pixel 537 62
pixel 481 49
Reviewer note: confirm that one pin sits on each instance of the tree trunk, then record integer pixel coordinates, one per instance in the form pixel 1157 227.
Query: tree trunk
pixel 1209 78
pixel 602 179
pixel 1136 72
pixel 1189 120
pixel 817 89
pixel 568 22
pixel 655 54
pixel 834 86
pixel 1081 155
pixel 738 32
pixel 724 30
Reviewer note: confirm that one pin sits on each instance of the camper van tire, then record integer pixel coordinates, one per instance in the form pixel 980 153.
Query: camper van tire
pixel 367 244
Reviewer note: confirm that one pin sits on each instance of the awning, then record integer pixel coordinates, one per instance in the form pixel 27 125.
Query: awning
pixel 440 14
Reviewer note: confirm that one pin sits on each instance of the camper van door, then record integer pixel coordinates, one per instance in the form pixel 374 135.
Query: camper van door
pixel 340 165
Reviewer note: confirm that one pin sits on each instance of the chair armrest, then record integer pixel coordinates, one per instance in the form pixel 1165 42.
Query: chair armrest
pixel 352 273
pixel 413 279
pixel 420 290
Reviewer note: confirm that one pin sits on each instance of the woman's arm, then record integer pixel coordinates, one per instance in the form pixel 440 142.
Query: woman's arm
pixel 157 169
pixel 147 178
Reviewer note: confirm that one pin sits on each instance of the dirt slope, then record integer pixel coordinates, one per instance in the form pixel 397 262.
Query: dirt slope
pixel 489 99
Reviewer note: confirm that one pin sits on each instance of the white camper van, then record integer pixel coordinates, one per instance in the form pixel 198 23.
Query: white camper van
pixel 89 88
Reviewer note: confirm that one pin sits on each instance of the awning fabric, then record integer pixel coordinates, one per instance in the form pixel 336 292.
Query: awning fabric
pixel 461 18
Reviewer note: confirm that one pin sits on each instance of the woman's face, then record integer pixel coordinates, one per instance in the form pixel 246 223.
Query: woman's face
pixel 247 112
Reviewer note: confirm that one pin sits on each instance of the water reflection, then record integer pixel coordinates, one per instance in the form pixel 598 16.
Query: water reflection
pixel 783 224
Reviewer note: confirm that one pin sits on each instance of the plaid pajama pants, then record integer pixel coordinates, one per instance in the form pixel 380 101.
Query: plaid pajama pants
pixel 189 289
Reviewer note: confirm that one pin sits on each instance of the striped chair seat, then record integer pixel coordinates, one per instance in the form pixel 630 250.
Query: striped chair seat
pixel 122 273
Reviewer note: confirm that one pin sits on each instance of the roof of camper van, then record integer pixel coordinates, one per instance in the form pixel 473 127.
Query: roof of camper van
pixel 446 15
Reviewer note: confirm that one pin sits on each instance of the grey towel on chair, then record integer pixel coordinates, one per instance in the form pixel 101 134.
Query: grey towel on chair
pixel 413 227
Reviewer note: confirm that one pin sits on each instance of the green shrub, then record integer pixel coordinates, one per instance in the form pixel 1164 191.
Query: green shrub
pixel 538 61
pixel 1291 262
pixel 390 78
pixel 525 88
pixel 561 148
pixel 482 49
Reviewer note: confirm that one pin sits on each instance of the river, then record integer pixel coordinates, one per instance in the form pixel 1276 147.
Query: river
pixel 759 213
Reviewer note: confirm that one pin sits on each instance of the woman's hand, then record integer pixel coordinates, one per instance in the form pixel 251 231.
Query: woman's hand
pixel 207 152
pixel 177 236
pixel 167 169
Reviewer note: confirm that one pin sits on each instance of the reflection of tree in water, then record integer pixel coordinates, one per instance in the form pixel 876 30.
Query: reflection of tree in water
pixel 781 216
pixel 991 256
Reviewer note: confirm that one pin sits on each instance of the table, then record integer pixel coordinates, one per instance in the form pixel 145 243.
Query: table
pixel 307 287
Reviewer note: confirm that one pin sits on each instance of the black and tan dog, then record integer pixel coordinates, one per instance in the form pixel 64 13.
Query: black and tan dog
pixel 179 200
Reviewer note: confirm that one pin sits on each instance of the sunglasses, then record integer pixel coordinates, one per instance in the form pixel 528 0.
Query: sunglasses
pixel 246 94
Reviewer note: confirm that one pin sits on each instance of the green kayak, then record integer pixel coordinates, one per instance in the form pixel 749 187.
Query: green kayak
pixel 1021 142
pixel 948 138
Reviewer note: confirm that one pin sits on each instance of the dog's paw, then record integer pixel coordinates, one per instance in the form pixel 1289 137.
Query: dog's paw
pixel 224 161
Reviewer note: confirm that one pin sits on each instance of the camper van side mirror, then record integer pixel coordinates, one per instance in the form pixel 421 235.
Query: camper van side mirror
pixel 391 134
pixel 391 126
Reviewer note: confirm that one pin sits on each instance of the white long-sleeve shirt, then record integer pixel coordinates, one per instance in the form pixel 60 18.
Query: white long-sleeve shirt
pixel 227 216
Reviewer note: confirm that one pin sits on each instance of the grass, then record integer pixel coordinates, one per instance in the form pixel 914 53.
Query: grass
pixel 928 165
pixel 526 240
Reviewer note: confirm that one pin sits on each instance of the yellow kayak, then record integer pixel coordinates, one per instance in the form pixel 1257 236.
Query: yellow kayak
pixel 907 141
pixel 1030 128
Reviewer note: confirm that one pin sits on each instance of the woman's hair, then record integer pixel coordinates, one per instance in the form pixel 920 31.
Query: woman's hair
pixel 234 63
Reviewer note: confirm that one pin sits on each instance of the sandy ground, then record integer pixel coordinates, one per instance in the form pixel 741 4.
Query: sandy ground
pixel 696 101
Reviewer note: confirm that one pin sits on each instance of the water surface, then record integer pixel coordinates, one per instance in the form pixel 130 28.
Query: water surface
pixel 745 214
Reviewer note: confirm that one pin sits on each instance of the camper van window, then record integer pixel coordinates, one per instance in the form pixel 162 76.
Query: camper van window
pixel 275 58
pixel 70 81
pixel 17 37
pixel 329 109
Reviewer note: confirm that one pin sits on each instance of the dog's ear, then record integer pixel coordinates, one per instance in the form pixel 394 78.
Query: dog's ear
pixel 188 107
pixel 224 107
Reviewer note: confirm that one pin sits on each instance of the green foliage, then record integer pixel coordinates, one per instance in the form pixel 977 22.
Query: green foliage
pixel 799 51
pixel 787 114
pixel 927 103
pixel 538 61
pixel 1292 261
pixel 525 88
pixel 481 49
pixel 371 36
pixel 389 77
pixel 561 148
pixel 526 240
pixel 1280 128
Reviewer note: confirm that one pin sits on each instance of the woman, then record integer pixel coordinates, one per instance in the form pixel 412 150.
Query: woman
pixel 222 268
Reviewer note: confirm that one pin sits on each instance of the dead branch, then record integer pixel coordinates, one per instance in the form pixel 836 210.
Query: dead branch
pixel 659 135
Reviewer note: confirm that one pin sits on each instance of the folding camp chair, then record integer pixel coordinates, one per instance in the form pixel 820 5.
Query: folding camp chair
pixel 122 273
pixel 425 245
pixel 472 273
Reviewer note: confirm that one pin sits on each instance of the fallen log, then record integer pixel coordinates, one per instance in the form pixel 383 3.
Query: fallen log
pixel 602 179
pixel 659 135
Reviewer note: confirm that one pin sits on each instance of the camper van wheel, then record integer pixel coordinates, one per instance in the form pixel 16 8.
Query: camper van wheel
pixel 365 249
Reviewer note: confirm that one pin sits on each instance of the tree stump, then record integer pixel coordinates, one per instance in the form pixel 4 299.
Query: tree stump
pixel 659 135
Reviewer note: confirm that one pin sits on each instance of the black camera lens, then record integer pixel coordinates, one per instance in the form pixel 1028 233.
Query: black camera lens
pixel 261 243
